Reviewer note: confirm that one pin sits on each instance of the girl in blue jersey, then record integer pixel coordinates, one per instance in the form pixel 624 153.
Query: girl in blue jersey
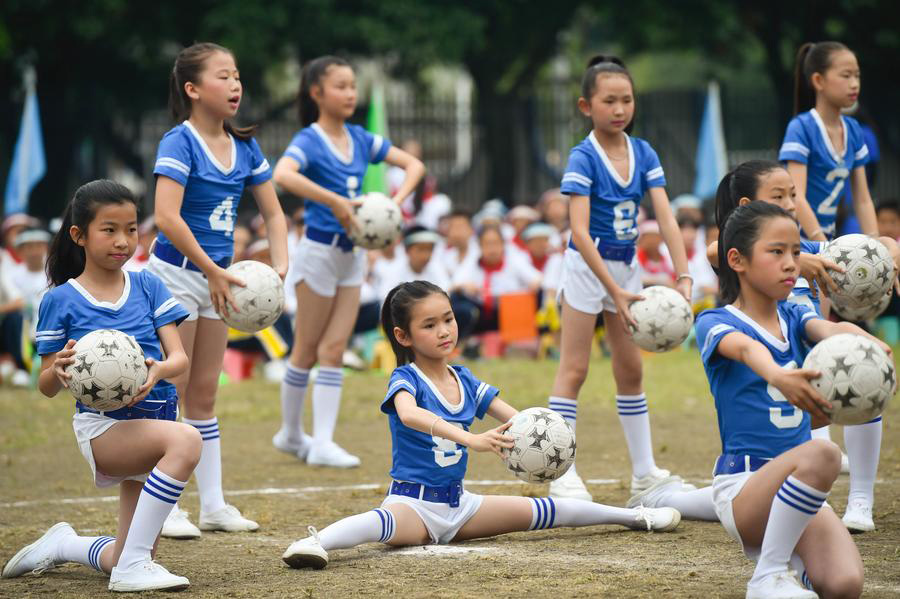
pixel 606 178
pixel 430 406
pixel 823 149
pixel 139 447
pixel 202 167
pixel 325 163
pixel 772 479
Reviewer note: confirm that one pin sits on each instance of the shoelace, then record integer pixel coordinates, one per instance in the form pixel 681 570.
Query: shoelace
pixel 42 566
pixel 313 533
pixel 789 577
pixel 646 515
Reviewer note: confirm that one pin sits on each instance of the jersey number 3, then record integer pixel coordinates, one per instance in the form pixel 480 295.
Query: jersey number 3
pixel 221 218
pixel 446 452
pixel 777 415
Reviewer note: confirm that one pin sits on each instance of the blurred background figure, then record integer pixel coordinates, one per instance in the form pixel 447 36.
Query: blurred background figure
pixel 655 268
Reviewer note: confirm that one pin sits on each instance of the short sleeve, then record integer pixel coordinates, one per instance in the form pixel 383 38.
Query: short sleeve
pixel 711 329
pixel 165 308
pixel 654 175
pixel 800 314
pixel 173 157
pixel 377 146
pixel 577 178
pixel 811 247
pixel 484 393
pixel 795 146
pixel 861 156
pixel 260 171
pixel 52 326
pixel 300 149
pixel 400 381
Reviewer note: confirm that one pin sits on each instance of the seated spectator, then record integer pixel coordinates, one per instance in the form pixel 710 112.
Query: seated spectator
pixel 493 213
pixel 706 284
pixel 418 262
pixel 554 209
pixel 544 257
pixel 519 218
pixel 243 237
pixel 11 324
pixel 888 214
pixel 146 234
pixel 10 229
pixel 29 277
pixel 460 243
pixel 655 269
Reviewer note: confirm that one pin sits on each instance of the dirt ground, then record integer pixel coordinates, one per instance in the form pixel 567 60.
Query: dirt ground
pixel 43 479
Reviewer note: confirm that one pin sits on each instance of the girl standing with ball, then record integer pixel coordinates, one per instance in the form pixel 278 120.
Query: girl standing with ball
pixel 202 167
pixel 430 406
pixel 607 177
pixel 139 447
pixel 325 163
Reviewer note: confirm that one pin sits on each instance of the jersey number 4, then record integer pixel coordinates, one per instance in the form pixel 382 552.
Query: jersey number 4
pixel 446 452
pixel 779 417
pixel 221 218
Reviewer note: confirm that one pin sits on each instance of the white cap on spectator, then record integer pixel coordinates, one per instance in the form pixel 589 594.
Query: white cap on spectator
pixel 32 235
pixel 686 200
pixel 523 211
pixel 538 230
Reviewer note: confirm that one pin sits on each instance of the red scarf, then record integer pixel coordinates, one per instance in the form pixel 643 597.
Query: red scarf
pixel 487 296
pixel 539 263
pixel 655 267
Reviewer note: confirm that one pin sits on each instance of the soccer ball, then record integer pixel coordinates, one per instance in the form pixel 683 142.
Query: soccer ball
pixel 109 369
pixel 664 319
pixel 869 270
pixel 858 377
pixel 259 303
pixel 380 222
pixel 865 313
pixel 544 445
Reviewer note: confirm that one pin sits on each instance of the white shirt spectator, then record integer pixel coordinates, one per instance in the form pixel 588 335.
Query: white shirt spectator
pixel 399 271
pixel 515 275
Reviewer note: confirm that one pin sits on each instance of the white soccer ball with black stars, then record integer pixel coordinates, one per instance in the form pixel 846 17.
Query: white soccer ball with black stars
pixel 261 302
pixel 109 369
pixel 664 319
pixel 380 222
pixel 858 377
pixel 544 446
pixel 855 313
pixel 869 270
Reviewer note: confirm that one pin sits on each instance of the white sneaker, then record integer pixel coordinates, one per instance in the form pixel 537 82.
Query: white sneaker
pixel 146 575
pixel 20 378
pixel 331 454
pixel 651 496
pixel 40 555
pixel 845 463
pixel 351 360
pixel 780 585
pixel 227 519
pixel 648 480
pixel 299 449
pixel 661 519
pixel 177 525
pixel 858 517
pixel 306 553
pixel 570 486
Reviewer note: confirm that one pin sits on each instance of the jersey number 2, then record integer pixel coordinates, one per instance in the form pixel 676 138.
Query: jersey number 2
pixel 446 452
pixel 221 219
pixel 777 415
pixel 828 207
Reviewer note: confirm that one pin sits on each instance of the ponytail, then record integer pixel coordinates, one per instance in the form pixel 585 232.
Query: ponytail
pixel 313 71
pixel 742 182
pixel 811 58
pixel 65 259
pixel 604 64
pixel 397 312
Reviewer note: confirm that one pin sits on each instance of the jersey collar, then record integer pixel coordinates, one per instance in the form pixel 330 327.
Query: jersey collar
pixel 333 148
pixel 453 409
pixel 606 162
pixel 769 337
pixel 208 152
pixel 824 133
pixel 108 305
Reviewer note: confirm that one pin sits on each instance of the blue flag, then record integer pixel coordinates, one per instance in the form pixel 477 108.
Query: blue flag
pixel 712 161
pixel 28 163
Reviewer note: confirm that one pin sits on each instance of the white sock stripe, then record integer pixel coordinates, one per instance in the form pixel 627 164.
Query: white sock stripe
pixel 96 549
pixel 631 397
pixel 390 533
pixel 562 401
pixel 210 436
pixel 175 486
pixel 156 490
pixel 296 377
pixel 807 490
pixel 199 423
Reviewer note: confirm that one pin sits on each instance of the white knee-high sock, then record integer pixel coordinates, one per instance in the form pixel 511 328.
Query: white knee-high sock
pixel 693 505
pixel 567 408
pixel 159 494
pixel 326 399
pixel 369 527
pixel 863 443
pixel 209 468
pixel 635 419
pixel 550 512
pixel 84 550
pixel 293 396
pixel 823 432
pixel 793 506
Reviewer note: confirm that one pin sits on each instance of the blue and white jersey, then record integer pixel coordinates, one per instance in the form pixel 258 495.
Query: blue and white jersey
pixel 754 417
pixel 802 291
pixel 211 191
pixel 827 173
pixel 614 201
pixel 325 165
pixel 419 457
pixel 69 311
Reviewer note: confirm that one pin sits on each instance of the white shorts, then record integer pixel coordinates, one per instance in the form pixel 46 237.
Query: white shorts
pixel 188 287
pixel 441 521
pixel 725 488
pixel 583 290
pixel 326 267
pixel 90 426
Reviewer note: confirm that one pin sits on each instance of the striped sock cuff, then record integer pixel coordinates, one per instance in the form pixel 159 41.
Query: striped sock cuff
pixel 631 405
pixel 567 408
pixel 801 496
pixel 163 487
pixel 330 377
pixel 543 511
pixel 209 429
pixel 296 377
pixel 387 525
pixel 96 549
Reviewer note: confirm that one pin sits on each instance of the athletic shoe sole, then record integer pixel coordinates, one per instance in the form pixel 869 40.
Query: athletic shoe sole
pixel 305 560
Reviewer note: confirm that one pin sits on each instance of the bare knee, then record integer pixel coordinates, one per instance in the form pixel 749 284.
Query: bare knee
pixel 845 584
pixel 331 353
pixel 820 464
pixel 185 445
pixel 572 377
